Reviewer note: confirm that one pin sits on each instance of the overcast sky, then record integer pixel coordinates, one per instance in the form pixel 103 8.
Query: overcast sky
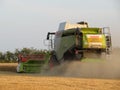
pixel 25 23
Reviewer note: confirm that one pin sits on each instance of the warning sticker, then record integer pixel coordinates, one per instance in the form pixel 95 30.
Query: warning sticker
pixel 94 38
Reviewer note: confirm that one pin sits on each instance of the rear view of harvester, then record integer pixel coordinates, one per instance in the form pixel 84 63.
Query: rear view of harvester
pixel 73 41
pixel 70 42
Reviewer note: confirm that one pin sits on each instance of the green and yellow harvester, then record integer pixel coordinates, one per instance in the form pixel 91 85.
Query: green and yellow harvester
pixel 70 42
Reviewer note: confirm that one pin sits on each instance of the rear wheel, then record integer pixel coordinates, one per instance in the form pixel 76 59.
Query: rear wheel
pixel 99 51
pixel 53 61
pixel 79 56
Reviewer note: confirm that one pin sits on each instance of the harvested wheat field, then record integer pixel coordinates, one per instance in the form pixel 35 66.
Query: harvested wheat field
pixel 55 83
pixel 104 75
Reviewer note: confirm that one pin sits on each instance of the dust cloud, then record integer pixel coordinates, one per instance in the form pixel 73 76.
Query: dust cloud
pixel 107 68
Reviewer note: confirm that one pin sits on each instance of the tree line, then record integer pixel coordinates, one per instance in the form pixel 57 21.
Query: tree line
pixel 13 56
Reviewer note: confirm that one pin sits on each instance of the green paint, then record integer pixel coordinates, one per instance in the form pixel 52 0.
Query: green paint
pixel 34 65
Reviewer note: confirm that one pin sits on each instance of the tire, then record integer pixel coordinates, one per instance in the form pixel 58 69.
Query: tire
pixel 53 62
pixel 79 56
pixel 99 51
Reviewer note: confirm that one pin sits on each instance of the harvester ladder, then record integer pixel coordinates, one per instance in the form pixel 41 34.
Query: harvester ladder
pixel 106 32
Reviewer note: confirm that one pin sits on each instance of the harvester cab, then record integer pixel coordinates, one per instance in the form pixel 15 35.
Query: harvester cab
pixel 50 38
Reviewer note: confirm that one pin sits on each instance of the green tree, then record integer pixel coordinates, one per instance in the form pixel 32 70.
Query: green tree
pixel 1 55
pixel 25 51
pixel 9 56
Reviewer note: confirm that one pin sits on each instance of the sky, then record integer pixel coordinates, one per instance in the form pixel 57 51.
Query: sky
pixel 25 23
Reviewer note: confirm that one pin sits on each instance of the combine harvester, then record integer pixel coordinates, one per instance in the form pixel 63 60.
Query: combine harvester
pixel 70 42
